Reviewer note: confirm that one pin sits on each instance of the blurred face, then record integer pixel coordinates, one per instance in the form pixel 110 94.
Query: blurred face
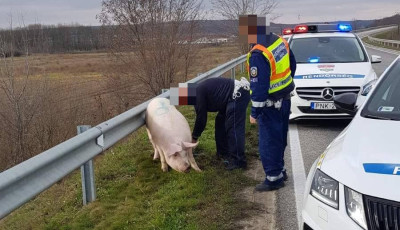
pixel 185 94
pixel 252 29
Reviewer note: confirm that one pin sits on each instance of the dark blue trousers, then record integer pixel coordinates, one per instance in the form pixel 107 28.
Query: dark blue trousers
pixel 230 129
pixel 273 125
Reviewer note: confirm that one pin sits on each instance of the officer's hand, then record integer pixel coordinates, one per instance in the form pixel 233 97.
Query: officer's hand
pixel 253 120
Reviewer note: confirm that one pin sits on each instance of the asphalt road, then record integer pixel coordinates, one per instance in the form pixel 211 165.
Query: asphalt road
pixel 310 140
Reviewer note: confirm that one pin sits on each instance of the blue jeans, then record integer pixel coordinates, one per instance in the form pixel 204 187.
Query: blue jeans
pixel 273 125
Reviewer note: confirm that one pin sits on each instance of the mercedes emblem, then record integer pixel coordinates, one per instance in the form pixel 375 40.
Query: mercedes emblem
pixel 327 94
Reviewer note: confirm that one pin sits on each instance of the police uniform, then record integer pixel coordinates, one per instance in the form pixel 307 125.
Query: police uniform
pixel 230 99
pixel 271 67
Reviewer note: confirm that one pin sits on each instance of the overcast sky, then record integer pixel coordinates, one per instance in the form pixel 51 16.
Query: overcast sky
pixel 292 11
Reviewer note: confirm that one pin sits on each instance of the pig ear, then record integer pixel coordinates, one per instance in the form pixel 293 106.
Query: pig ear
pixel 188 145
pixel 173 148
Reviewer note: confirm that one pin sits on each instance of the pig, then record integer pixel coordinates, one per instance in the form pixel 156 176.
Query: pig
pixel 170 135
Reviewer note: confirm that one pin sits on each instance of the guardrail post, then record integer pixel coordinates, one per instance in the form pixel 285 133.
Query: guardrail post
pixel 233 73
pixel 242 67
pixel 87 175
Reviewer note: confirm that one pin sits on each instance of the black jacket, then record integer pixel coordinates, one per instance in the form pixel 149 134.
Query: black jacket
pixel 212 95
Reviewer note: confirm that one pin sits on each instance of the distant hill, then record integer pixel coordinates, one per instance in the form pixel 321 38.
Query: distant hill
pixel 395 19
pixel 224 27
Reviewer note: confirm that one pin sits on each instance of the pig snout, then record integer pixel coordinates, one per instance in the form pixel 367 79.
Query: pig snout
pixel 181 166
pixel 185 167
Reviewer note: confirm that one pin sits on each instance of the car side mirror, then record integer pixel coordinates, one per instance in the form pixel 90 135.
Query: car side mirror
pixel 346 102
pixel 376 59
pixel 367 87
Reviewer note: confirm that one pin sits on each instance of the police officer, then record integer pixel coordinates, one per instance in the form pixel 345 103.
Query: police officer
pixel 229 98
pixel 271 67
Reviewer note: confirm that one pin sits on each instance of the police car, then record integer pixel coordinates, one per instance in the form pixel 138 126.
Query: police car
pixel 331 60
pixel 355 183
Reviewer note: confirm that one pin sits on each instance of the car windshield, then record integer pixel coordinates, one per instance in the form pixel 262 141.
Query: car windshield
pixel 384 103
pixel 327 50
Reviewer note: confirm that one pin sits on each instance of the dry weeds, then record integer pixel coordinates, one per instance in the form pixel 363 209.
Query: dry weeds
pixel 77 93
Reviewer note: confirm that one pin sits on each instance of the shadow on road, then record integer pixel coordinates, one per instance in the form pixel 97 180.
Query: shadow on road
pixel 336 124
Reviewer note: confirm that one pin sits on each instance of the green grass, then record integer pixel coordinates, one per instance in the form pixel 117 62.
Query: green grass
pixel 390 35
pixel 133 192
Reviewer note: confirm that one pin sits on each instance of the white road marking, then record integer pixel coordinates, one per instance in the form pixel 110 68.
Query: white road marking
pixel 299 174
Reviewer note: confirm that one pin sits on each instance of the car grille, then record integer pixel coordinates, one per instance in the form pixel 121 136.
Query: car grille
pixel 315 93
pixel 382 214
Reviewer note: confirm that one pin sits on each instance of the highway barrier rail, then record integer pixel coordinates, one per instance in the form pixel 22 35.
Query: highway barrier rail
pixel 26 180
pixel 385 42
pixel 378 30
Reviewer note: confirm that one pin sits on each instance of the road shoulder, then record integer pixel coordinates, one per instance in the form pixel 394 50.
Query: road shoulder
pixel 264 208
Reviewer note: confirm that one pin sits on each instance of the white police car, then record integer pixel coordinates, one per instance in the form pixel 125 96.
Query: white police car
pixel 355 183
pixel 330 61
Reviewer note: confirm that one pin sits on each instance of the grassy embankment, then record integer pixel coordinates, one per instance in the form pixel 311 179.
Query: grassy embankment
pixel 389 35
pixel 133 192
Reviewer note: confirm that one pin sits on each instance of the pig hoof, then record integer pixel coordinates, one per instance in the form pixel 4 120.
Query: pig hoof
pixel 197 169
pixel 164 168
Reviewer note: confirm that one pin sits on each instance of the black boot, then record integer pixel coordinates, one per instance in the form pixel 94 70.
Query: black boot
pixel 236 165
pixel 263 187
pixel 285 176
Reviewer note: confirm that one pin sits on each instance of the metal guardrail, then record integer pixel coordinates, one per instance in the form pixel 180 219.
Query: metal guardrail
pixel 377 30
pixel 24 181
pixel 385 42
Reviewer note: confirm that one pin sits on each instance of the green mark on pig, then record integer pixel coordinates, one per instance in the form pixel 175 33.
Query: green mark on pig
pixel 163 108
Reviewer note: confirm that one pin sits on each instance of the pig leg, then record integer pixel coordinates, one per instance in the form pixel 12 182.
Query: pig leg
pixel 156 154
pixel 164 165
pixel 192 161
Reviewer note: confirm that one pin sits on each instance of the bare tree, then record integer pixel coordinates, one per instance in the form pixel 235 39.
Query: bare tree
pixel 30 120
pixel 231 9
pixel 152 42
pixel 18 106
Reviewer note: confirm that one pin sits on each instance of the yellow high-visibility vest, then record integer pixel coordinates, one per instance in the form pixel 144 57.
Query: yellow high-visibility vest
pixel 277 55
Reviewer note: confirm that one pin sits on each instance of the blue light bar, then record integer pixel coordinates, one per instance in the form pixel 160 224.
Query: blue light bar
pixel 345 27
pixel 313 59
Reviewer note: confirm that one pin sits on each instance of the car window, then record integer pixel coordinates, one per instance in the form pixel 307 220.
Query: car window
pixel 384 103
pixel 327 50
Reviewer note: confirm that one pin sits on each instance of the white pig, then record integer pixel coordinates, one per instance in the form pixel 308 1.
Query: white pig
pixel 170 135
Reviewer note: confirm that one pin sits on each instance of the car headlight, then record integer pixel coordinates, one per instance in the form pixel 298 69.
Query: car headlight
pixel 325 189
pixel 367 87
pixel 355 207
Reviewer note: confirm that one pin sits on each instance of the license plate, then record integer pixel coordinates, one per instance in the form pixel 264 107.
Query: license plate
pixel 323 106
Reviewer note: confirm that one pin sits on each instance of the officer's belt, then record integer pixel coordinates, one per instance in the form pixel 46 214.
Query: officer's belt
pixel 267 103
